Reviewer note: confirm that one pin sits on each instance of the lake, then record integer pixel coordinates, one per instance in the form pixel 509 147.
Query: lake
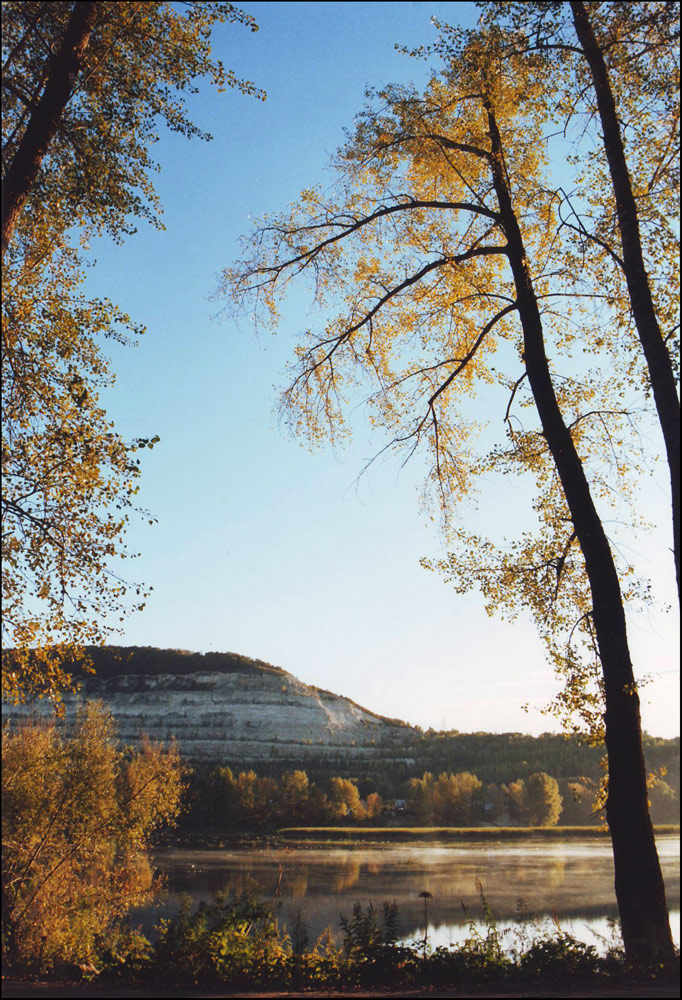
pixel 569 879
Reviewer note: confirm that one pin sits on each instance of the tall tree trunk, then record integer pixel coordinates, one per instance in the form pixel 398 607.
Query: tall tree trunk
pixel 42 124
pixel 661 374
pixel 638 881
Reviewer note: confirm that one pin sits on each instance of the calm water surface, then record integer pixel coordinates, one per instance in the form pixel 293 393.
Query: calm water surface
pixel 570 880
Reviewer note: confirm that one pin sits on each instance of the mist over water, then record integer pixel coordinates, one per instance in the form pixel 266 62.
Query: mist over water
pixel 567 881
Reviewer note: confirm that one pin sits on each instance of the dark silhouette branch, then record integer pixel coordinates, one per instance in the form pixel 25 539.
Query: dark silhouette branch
pixel 349 228
pixel 336 342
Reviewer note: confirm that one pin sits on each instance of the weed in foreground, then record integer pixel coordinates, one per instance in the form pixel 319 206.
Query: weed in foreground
pixel 238 941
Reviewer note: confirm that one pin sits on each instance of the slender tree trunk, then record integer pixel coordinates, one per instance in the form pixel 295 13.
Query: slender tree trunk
pixel 42 124
pixel 661 374
pixel 638 881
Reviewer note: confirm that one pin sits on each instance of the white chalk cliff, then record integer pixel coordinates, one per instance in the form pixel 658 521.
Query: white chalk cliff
pixel 228 708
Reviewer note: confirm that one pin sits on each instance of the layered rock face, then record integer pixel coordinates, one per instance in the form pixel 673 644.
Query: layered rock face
pixel 228 708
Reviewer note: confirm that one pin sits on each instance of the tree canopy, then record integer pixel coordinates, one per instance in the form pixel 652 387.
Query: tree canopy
pixel 85 88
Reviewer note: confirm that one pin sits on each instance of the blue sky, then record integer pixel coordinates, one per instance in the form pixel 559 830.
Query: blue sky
pixel 262 547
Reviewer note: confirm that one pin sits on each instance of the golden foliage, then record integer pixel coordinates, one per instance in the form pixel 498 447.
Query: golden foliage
pixel 77 817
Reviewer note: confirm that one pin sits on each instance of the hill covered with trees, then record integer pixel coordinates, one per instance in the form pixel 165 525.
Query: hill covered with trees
pixel 247 726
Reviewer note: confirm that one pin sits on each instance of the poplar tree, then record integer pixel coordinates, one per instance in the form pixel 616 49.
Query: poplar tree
pixel 438 251
pixel 543 801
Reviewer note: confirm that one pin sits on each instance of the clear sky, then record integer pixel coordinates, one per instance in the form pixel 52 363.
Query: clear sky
pixel 262 547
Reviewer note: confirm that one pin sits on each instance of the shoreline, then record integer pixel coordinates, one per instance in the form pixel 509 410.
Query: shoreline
pixel 351 835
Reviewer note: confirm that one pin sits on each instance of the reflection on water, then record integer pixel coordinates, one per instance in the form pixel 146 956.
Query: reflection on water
pixel 570 880
pixel 348 875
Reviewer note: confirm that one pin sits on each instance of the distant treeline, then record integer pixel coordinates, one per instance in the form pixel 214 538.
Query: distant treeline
pixel 221 801
pixel 495 759
pixel 505 757
pixel 118 661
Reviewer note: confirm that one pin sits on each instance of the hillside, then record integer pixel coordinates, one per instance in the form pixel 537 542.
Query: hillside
pixel 227 707
pixel 224 708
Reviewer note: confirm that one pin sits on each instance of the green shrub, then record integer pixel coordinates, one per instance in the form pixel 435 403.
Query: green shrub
pixel 560 956
pixel 228 940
